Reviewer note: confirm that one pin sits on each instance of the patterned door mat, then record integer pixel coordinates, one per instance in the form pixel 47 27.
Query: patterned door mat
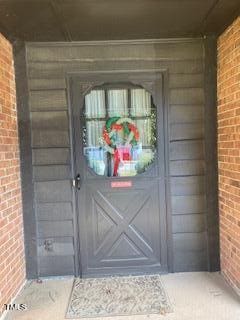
pixel 118 296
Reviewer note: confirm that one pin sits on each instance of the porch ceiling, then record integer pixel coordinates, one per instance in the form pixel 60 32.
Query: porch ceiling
pixel 76 20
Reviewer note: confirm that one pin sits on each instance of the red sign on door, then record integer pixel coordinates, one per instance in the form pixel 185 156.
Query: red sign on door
pixel 121 184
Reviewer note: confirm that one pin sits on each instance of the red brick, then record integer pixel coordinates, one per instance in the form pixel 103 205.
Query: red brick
pixel 229 152
pixel 12 262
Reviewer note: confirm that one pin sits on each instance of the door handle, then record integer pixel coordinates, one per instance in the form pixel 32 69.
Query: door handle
pixel 77 182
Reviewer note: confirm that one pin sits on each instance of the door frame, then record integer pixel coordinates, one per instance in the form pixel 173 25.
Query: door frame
pixel 86 81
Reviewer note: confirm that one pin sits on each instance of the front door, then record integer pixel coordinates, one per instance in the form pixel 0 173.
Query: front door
pixel 119 168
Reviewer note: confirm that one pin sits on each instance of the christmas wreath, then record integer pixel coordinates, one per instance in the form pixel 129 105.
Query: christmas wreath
pixel 115 127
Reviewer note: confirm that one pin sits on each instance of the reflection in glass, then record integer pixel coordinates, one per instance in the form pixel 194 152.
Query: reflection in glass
pixel 96 159
pixel 140 102
pixel 95 104
pixel 119 134
pixel 117 103
pixel 145 130
pixel 94 132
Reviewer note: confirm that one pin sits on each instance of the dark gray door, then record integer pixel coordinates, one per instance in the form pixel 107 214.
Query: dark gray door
pixel 121 217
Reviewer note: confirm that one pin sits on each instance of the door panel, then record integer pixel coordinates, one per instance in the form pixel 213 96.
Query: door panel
pixel 122 228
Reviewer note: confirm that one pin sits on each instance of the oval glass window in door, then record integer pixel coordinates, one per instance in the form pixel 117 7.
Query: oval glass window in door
pixel 119 132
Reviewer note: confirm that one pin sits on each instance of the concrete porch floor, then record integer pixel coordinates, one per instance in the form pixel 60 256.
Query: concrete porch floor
pixel 194 296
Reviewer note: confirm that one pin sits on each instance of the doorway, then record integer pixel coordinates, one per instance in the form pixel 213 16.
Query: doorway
pixel 119 153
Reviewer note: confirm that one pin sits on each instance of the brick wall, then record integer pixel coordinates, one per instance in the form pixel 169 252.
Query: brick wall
pixel 12 267
pixel 229 151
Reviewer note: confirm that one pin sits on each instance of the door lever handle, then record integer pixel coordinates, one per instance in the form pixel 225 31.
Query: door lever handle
pixel 77 182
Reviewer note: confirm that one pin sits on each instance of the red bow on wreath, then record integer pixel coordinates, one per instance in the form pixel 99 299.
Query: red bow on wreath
pixel 130 133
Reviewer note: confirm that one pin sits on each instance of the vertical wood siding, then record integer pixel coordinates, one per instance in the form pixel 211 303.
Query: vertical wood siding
pixel 48 66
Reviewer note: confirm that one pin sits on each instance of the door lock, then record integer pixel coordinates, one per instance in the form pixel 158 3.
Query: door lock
pixel 77 182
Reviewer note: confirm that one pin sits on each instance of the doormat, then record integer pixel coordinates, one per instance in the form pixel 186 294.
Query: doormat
pixel 116 296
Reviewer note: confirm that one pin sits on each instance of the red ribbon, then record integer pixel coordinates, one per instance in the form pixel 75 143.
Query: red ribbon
pixel 117 127
pixel 117 159
pixel 134 130
pixel 106 136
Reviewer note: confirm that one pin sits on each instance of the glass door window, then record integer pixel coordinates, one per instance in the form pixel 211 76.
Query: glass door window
pixel 119 132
